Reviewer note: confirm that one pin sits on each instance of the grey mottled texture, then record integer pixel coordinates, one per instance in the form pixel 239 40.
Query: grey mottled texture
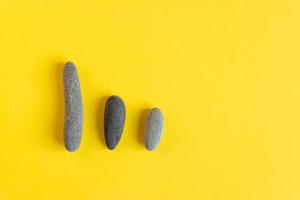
pixel 73 108
pixel 114 119
pixel 153 128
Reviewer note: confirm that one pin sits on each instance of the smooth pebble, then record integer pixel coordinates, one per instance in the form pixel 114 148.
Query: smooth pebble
pixel 153 128
pixel 73 108
pixel 114 119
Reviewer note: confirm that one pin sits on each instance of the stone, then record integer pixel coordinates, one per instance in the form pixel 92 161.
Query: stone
pixel 153 128
pixel 114 120
pixel 73 108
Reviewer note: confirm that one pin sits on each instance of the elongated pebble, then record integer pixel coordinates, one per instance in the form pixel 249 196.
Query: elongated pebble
pixel 153 128
pixel 114 119
pixel 73 108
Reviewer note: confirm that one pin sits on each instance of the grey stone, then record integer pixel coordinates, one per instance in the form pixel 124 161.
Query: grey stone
pixel 73 108
pixel 114 120
pixel 153 128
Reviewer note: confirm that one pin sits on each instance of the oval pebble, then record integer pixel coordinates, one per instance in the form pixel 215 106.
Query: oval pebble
pixel 114 119
pixel 73 108
pixel 153 128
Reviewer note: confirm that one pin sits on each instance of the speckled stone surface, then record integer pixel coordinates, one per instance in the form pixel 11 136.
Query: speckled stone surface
pixel 153 128
pixel 114 119
pixel 73 108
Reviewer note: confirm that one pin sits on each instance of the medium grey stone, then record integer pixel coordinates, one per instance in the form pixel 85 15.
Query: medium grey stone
pixel 114 119
pixel 153 128
pixel 73 108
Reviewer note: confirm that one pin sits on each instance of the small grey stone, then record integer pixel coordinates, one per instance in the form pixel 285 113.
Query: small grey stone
pixel 114 119
pixel 73 108
pixel 153 128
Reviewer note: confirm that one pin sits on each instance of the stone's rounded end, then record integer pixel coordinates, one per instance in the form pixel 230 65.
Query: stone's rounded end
pixel 69 63
pixel 153 129
pixel 156 111
pixel 151 145
pixel 111 146
pixel 150 148
pixel 114 120
pixel 72 136
pixel 71 148
pixel 69 68
pixel 115 98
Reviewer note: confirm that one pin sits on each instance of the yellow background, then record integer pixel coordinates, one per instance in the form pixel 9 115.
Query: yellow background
pixel 226 74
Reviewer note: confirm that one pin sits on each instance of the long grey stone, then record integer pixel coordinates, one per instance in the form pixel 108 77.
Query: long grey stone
pixel 73 108
pixel 114 120
pixel 153 128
